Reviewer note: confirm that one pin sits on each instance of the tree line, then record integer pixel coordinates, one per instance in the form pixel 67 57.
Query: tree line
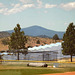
pixel 18 41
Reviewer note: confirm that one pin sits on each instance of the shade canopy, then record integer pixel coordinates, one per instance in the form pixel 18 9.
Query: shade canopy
pixel 52 46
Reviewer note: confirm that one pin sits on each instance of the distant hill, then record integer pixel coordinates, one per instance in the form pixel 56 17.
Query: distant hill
pixel 43 36
pixel 37 30
pixel 4 34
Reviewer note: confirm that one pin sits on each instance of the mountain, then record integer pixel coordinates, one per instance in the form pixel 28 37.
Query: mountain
pixel 4 34
pixel 37 30
pixel 43 36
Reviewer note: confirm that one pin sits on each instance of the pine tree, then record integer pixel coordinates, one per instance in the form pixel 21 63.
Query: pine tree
pixel 68 44
pixel 38 42
pixel 17 40
pixel 55 37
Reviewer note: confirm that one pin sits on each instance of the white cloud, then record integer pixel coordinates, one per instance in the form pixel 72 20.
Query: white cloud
pixel 1 5
pixel 15 9
pixel 68 6
pixel 50 5
pixel 24 4
pixel 26 1
pixel 39 3
pixel 3 10
pixel 15 5
pixel 18 8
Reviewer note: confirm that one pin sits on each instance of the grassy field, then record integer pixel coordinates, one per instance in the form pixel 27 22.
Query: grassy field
pixel 15 67
pixel 34 71
pixel 24 70
pixel 28 71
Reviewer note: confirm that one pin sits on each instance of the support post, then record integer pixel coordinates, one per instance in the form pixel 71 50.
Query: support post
pixel 18 55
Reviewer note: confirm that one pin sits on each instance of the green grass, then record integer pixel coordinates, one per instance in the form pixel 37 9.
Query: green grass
pixel 27 72
pixel 10 72
pixel 34 71
pixel 22 69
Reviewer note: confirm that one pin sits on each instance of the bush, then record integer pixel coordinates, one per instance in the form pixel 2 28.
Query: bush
pixel 5 41
pixel 55 37
pixel 38 42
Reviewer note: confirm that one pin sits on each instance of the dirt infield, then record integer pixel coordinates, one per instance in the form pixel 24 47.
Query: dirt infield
pixel 67 73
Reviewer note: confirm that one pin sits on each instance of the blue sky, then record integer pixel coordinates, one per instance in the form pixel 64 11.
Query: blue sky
pixel 51 14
